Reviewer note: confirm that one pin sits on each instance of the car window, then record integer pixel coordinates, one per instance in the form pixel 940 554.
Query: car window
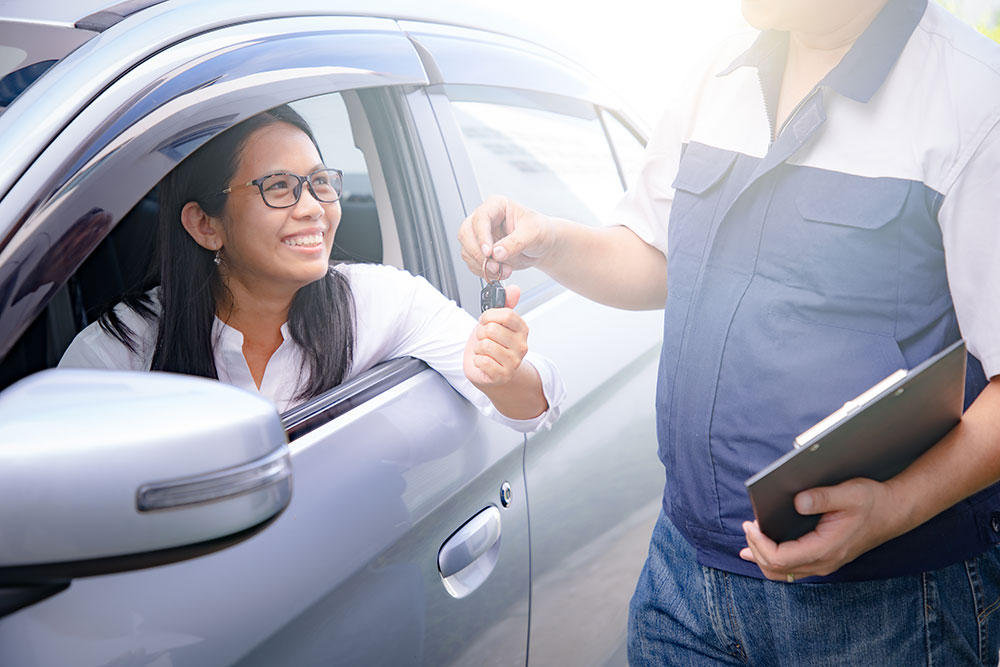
pixel 554 162
pixel 122 261
pixel 360 235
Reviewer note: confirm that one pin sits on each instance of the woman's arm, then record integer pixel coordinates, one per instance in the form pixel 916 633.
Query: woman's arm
pixel 399 314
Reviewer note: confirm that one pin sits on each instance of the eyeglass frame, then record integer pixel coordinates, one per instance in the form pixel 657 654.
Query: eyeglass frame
pixel 307 179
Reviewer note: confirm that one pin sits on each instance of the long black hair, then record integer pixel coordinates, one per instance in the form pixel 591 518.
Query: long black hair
pixel 321 318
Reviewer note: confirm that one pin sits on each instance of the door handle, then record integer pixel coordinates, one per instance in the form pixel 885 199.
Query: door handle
pixel 469 555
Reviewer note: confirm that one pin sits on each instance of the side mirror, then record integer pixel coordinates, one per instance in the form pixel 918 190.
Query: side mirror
pixel 105 471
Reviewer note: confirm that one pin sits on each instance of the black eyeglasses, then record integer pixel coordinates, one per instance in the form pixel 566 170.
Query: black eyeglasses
pixel 281 190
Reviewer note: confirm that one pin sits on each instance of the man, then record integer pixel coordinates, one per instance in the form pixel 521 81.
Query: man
pixel 831 195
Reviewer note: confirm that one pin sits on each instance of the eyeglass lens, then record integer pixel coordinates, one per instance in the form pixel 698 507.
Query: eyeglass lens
pixel 282 190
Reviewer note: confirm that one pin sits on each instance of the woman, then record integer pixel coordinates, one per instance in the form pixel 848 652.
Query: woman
pixel 247 294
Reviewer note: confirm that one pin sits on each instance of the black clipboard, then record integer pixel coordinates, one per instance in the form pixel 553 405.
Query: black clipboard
pixel 876 435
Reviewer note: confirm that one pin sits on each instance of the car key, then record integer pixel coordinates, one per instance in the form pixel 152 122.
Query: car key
pixel 493 295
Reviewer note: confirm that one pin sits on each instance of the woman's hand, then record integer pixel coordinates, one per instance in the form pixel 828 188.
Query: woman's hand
pixel 493 359
pixel 497 345
pixel 858 515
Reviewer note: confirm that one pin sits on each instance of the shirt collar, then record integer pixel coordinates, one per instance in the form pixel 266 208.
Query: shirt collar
pixel 865 66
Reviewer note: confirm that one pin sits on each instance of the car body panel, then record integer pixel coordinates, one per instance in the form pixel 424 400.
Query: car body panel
pixel 594 482
pixel 341 577
pixel 387 467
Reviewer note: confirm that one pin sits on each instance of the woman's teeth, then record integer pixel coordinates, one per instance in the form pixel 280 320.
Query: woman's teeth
pixel 312 239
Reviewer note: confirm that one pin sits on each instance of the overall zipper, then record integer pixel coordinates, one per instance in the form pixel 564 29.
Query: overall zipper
pixel 772 135
pixel 767 113
pixel 794 111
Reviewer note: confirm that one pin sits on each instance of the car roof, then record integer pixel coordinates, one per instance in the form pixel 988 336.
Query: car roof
pixel 37 54
pixel 45 32
pixel 97 15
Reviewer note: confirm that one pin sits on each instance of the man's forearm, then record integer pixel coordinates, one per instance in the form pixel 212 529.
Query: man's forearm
pixel 962 463
pixel 610 265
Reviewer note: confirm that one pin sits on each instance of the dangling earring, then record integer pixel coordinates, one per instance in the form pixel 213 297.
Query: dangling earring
pixel 218 260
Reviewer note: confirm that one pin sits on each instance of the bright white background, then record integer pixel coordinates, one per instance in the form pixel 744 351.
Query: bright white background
pixel 639 48
pixel 643 49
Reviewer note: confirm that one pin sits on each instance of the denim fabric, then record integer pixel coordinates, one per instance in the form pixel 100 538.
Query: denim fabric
pixel 683 613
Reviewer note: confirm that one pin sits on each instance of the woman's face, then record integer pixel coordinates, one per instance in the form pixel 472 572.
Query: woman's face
pixel 276 250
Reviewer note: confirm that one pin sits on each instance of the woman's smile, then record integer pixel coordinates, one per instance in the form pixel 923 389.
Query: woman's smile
pixel 305 241
pixel 268 248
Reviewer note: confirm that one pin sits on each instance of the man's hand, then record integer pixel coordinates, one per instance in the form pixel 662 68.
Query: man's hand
pixel 610 265
pixel 504 231
pixel 857 516
pixel 861 514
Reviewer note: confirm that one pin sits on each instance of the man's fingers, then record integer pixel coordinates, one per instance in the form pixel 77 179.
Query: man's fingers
pixel 813 501
pixel 511 247
pixel 482 222
pixel 822 499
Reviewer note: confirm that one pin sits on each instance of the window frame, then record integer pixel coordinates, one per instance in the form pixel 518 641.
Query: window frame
pixel 92 152
pixel 441 95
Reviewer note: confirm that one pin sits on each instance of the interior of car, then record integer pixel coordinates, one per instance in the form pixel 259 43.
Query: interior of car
pixel 124 261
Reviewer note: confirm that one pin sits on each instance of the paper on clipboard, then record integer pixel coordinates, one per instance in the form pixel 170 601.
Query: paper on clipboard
pixel 875 435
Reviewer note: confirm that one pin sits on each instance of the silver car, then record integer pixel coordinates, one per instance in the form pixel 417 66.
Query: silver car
pixel 155 519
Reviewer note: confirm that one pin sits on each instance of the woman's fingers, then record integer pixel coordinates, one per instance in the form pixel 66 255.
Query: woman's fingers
pixel 501 343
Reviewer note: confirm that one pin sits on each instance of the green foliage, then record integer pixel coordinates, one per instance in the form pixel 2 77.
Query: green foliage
pixel 993 31
pixel 988 25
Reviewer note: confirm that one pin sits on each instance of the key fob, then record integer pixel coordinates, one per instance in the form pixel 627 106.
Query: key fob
pixel 493 296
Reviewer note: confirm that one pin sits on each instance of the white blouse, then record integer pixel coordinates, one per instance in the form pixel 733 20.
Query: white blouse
pixel 398 315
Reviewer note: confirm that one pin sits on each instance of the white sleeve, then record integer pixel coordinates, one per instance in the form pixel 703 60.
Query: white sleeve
pixel 645 207
pixel 399 314
pixel 971 232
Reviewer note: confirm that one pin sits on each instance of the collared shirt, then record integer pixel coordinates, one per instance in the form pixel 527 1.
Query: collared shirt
pixel 398 315
pixel 916 98
pixel 804 269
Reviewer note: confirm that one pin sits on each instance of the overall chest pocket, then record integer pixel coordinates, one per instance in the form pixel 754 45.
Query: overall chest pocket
pixel 841 250
pixel 698 189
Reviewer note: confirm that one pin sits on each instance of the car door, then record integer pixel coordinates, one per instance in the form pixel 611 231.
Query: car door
pixel 406 538
pixel 521 121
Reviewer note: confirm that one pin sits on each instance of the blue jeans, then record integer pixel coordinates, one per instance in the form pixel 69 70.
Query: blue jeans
pixel 685 614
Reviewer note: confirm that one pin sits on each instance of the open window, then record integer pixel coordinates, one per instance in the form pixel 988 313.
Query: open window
pixel 124 260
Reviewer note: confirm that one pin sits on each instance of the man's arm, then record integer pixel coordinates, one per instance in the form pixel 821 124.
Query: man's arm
pixel 861 514
pixel 610 265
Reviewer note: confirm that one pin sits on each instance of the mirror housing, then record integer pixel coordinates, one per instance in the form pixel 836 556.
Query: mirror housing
pixel 104 471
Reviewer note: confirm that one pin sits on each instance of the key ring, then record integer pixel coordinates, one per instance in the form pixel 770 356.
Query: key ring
pixel 486 275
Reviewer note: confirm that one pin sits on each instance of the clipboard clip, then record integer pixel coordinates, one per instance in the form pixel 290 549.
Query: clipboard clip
pixel 849 408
